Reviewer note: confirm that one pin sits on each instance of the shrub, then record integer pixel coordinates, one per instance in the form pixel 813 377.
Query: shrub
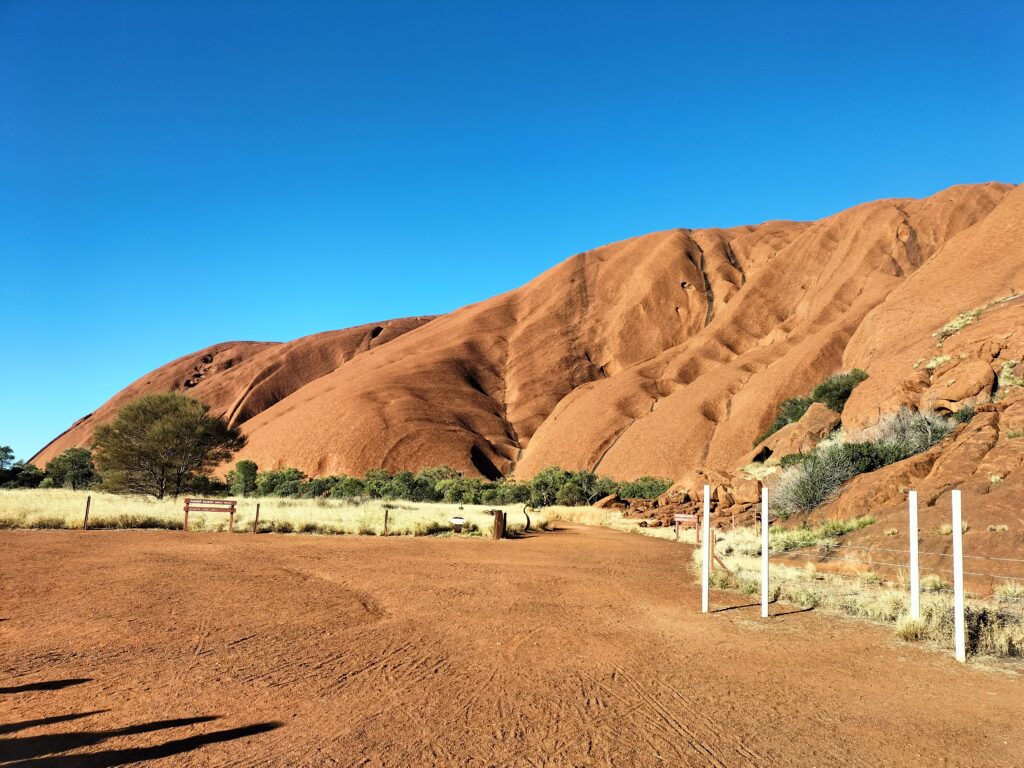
pixel 836 390
pixel 933 583
pixel 958 323
pixel 72 469
pixel 645 487
pixel 48 522
pixel 460 490
pixel 908 433
pixel 833 392
pixel 1009 591
pixel 545 486
pixel 510 492
pixel 279 482
pixel 22 475
pixel 243 480
pixel 813 482
pixel 347 488
pixel 818 477
pixel 792 460
pixel 911 630
pixel 788 412
pixel 964 415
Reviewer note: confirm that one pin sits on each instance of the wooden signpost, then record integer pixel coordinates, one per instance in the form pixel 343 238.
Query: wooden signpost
pixel 499 524
pixel 211 505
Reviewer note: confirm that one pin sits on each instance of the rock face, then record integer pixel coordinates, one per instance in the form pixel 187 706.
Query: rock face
pixel 662 355
pixel 798 437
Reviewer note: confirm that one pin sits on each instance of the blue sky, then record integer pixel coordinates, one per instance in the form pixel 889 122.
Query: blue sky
pixel 174 174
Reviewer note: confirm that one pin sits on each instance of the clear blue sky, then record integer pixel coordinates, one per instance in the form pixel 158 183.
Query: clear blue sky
pixel 174 174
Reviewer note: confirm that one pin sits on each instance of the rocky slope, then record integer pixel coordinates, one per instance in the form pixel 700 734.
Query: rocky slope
pixel 662 354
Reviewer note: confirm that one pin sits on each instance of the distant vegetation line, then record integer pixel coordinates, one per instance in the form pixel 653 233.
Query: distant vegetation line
pixel 168 444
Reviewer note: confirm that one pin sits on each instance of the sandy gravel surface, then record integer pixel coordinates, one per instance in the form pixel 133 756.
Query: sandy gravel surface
pixel 582 647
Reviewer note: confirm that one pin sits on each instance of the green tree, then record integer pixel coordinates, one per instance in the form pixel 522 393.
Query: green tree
pixel 72 469
pixel 25 475
pixel 286 481
pixel 427 480
pixel 348 487
pixel 645 487
pixel 159 444
pixel 6 458
pixel 545 485
pixel 376 481
pixel 243 480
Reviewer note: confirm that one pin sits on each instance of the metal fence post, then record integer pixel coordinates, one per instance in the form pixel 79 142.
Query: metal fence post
pixel 764 553
pixel 959 640
pixel 915 570
pixel 705 568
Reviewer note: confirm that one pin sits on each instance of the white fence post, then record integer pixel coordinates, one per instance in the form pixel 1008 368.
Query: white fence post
pixel 764 553
pixel 705 568
pixel 915 571
pixel 959 640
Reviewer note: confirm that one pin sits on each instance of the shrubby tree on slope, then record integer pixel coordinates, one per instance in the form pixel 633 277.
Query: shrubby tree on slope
pixel 161 444
pixel 72 469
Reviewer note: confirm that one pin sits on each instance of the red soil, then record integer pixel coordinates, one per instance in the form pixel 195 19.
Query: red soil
pixel 582 647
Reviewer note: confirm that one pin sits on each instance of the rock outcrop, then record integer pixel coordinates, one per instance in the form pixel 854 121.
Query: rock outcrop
pixel 664 354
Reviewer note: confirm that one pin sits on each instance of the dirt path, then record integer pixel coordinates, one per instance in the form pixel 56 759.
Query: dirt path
pixel 582 647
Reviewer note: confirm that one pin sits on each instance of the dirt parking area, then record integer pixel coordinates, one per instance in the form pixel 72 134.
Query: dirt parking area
pixel 580 647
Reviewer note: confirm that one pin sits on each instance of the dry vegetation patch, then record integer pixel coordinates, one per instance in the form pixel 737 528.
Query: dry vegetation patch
pixel 56 508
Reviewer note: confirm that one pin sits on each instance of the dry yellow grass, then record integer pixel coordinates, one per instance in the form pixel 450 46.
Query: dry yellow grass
pixel 612 518
pixel 53 508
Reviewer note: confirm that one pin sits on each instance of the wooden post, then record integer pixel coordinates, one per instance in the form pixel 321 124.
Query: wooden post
pixel 185 526
pixel 231 520
pixel 764 553
pixel 959 640
pixel 256 522
pixel 386 511
pixel 499 524
pixel 705 566
pixel 915 571
pixel 85 522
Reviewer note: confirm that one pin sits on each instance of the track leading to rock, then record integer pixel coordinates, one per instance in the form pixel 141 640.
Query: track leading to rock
pixel 581 647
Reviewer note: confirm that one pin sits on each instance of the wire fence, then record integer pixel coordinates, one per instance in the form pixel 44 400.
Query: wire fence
pixel 1008 596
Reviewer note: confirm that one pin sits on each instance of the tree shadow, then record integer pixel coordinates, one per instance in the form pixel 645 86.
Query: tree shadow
pixel 115 757
pixel 46 685
pixel 25 724
pixel 47 744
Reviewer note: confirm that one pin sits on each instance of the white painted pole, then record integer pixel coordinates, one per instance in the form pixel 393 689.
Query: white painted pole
pixel 915 571
pixel 959 640
pixel 705 568
pixel 764 553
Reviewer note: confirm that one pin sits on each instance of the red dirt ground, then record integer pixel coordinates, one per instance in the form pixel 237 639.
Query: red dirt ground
pixel 582 647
